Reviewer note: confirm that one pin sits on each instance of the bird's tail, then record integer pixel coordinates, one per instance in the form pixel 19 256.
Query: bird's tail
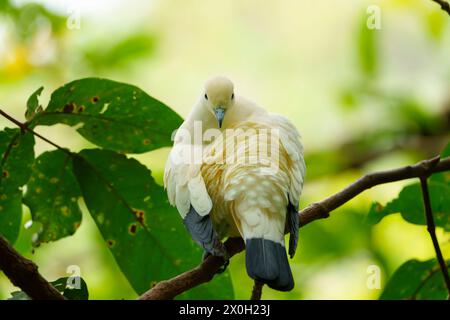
pixel 267 261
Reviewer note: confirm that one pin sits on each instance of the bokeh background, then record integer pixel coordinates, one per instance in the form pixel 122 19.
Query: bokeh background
pixel 362 99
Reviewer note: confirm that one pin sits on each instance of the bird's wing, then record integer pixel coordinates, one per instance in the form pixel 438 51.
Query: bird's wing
pixel 187 191
pixel 184 182
pixel 289 137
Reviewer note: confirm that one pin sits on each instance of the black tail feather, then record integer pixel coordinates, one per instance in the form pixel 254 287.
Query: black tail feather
pixel 267 261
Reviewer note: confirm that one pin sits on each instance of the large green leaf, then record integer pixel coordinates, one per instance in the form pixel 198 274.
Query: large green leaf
pixel 416 280
pixel 410 205
pixel 112 115
pixel 143 232
pixel 16 159
pixel 52 195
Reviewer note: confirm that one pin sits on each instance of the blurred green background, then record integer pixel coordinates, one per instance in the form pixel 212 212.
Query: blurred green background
pixel 362 99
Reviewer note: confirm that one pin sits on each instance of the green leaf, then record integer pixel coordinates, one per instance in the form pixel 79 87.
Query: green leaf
pixel 52 195
pixel 367 48
pixel 16 159
pixel 416 280
pixel 142 230
pixel 17 155
pixel 33 104
pixel 112 115
pixel 67 286
pixel 410 205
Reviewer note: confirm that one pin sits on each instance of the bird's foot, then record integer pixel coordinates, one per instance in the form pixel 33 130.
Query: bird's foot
pixel 219 250
pixel 223 268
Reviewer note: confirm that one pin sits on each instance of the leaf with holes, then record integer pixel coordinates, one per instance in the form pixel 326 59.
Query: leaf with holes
pixel 416 280
pixel 16 159
pixel 52 196
pixel 142 230
pixel 409 204
pixel 33 106
pixel 112 115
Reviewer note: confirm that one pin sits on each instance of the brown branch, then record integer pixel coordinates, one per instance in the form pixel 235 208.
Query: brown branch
pixel 24 274
pixel 168 289
pixel 432 231
pixel 25 128
pixel 257 290
pixel 444 5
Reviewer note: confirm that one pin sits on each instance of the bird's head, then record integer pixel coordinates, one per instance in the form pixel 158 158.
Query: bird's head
pixel 219 97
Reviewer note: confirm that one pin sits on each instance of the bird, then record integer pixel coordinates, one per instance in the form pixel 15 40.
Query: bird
pixel 237 170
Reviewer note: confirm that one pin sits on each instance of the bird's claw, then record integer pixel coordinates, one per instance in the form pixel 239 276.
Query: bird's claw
pixel 223 254
pixel 223 268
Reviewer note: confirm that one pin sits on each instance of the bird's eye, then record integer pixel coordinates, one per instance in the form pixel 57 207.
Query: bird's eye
pixel 206 96
pixel 232 96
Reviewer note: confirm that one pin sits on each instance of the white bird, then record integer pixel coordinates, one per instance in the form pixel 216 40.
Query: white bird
pixel 237 170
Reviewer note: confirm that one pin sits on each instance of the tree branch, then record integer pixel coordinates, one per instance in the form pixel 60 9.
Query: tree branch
pixel 444 5
pixel 24 274
pixel 169 289
pixel 432 231
pixel 257 290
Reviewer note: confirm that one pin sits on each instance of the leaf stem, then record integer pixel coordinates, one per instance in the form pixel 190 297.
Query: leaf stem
pixel 432 230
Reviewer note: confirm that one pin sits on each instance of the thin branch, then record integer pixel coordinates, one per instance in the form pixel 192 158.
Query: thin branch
pixel 169 289
pixel 257 290
pixel 432 231
pixel 25 128
pixel 24 274
pixel 444 5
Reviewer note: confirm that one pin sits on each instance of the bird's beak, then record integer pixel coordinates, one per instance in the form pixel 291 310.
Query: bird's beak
pixel 219 112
